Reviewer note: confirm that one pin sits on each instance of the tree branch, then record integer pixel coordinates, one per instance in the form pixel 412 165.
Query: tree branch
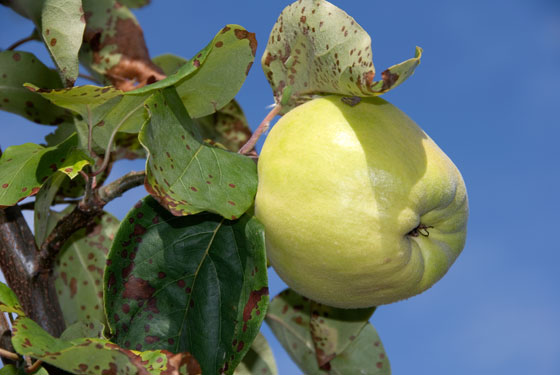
pixel 263 126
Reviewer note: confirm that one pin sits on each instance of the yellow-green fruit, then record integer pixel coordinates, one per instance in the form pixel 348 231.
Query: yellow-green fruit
pixel 360 206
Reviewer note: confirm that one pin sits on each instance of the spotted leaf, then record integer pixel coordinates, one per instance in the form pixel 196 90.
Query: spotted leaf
pixel 186 175
pixel 114 49
pixel 78 271
pixel 17 68
pixel 82 329
pixel 91 356
pixel 134 3
pixel 62 28
pixel 196 283
pixel 326 340
pixel 106 108
pixel 317 48
pixel 259 360
pixel 13 370
pixel 42 208
pixel 25 168
pixel 9 301
pixel 221 68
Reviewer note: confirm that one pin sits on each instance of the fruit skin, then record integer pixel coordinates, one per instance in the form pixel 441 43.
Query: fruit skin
pixel 342 192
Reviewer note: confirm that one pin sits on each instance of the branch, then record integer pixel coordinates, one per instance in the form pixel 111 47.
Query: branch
pixel 82 216
pixel 250 145
pixel 31 37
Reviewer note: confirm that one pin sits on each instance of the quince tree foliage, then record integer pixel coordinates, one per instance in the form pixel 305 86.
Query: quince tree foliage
pixel 180 285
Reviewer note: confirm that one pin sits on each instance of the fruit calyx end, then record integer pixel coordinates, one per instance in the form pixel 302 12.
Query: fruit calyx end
pixel 421 229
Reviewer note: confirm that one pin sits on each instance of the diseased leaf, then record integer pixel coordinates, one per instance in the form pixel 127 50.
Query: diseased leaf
pixel 62 26
pixel 25 168
pixel 87 356
pixel 114 48
pixel 83 329
pixel 13 370
pixel 17 68
pixel 196 283
pixel 42 208
pixel 221 68
pixel 134 3
pixel 78 271
pixel 9 301
pixel 317 48
pixel 105 107
pixel 187 176
pixel 326 340
pixel 227 126
pixel 259 360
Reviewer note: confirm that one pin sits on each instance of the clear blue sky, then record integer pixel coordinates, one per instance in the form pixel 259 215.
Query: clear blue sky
pixel 487 93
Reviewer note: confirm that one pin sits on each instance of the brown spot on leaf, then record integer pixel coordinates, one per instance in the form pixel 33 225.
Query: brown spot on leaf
pixel 244 34
pixel 73 287
pixel 252 303
pixel 389 79
pixel 53 42
pixel 137 289
pixel 16 56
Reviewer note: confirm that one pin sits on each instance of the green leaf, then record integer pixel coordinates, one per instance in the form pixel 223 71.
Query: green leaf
pixel 13 370
pixel 259 360
pixel 25 168
pixel 105 107
pixel 184 174
pixel 88 356
pixel 43 203
pixel 317 48
pixel 9 301
pixel 227 126
pixel 323 339
pixel 18 67
pixel 62 26
pixel 78 271
pixel 196 283
pixel 221 68
pixel 128 147
pixel 83 329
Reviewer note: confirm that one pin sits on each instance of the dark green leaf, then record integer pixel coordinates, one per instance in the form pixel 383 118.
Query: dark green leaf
pixel 9 301
pixel 43 203
pixel 196 283
pixel 317 48
pixel 17 68
pixel 188 176
pixel 62 26
pixel 259 360
pixel 221 68
pixel 323 339
pixel 24 169
pixel 78 271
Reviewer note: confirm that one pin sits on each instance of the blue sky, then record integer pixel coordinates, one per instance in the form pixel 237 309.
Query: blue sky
pixel 486 92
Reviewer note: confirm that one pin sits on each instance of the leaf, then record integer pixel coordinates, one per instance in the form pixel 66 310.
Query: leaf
pixel 16 68
pixel 106 107
pixel 227 126
pixel 62 26
pixel 83 329
pixel 128 147
pixel 259 360
pixel 317 48
pixel 114 48
pixel 326 340
pixel 78 271
pixel 194 283
pixel 9 301
pixel 187 176
pixel 93 356
pixel 221 68
pixel 42 208
pixel 25 168
pixel 13 370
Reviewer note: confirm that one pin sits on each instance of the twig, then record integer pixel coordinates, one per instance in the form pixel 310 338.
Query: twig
pixel 82 215
pixel 22 41
pixel 250 145
pixel 90 78
pixel 34 367
pixel 7 354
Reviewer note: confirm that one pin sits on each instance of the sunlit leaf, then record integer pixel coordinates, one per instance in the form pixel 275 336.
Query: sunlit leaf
pixel 196 283
pixel 186 175
pixel 62 26
pixel 25 168
pixel 221 68
pixel 9 301
pixel 317 48
pixel 17 68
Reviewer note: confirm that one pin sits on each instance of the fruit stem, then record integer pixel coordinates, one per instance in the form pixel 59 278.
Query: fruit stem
pixel 250 145
pixel 421 229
